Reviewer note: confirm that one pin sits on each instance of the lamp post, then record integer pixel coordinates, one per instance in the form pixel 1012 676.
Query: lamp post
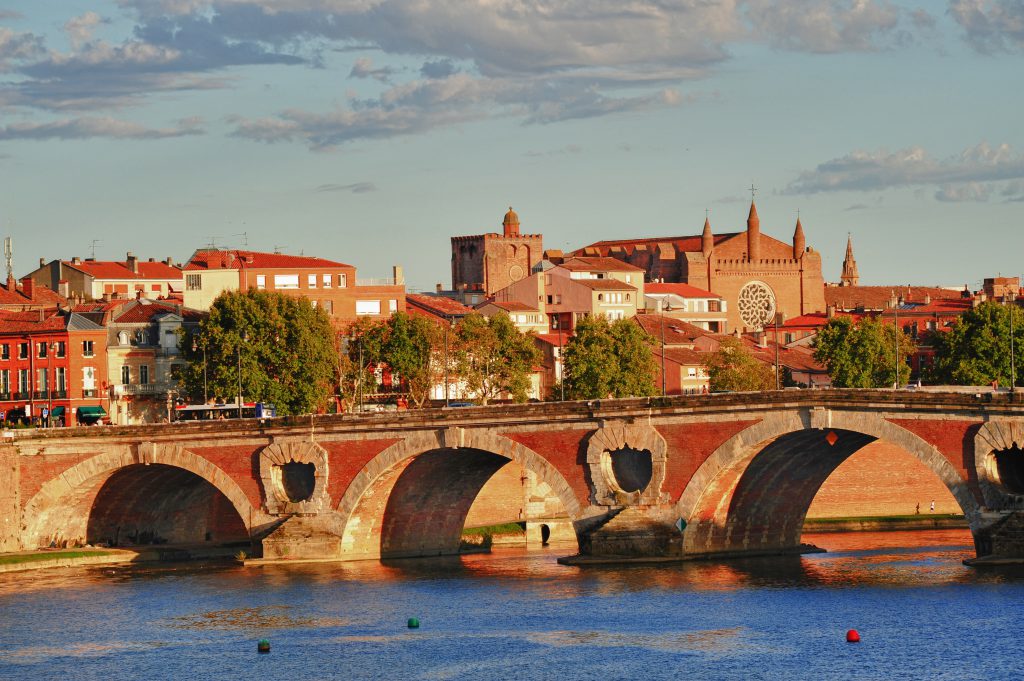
pixel 896 342
pixel 49 392
pixel 206 395
pixel 778 377
pixel 661 318
pixel 447 323
pixel 238 355
pixel 1013 361
pixel 561 360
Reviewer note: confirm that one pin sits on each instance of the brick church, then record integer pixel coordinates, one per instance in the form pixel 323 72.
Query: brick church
pixel 490 262
pixel 757 275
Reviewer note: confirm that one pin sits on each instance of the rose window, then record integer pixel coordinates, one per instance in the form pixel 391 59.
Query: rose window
pixel 756 304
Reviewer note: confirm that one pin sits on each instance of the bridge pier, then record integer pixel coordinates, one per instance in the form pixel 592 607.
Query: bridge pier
pixel 998 538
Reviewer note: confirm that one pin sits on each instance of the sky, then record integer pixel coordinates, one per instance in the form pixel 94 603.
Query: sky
pixel 371 131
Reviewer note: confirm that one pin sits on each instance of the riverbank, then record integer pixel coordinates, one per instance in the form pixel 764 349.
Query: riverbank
pixel 887 523
pixel 60 558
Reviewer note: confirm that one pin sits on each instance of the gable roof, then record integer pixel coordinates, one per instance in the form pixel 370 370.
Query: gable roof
pixel 681 290
pixel 597 264
pixel 604 284
pixel 216 259
pixel 109 269
pixel 41 296
pixel 628 246
pixel 676 332
pixel 436 305
pixel 508 306
pixel 878 297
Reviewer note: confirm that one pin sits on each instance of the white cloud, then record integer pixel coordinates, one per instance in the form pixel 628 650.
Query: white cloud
pixel 90 127
pixel 825 25
pixel 973 175
pixel 80 29
pixel 991 25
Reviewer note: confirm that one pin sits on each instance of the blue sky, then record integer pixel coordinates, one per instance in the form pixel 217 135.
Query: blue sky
pixel 370 131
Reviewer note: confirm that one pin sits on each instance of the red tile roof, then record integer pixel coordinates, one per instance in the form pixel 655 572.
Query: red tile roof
pixel 605 284
pixel 683 356
pixel 211 259
pixel 30 322
pixel 41 296
pixel 676 332
pixel 437 305
pixel 144 312
pixel 598 264
pixel 509 305
pixel 628 246
pixel 106 269
pixel 878 297
pixel 681 290
pixel 554 338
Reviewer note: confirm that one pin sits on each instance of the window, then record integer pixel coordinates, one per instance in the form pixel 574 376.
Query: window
pixel 286 281
pixel 551 299
pixel 61 379
pixel 326 280
pixel 392 306
pixel 558 299
pixel 87 348
pixel 144 374
pixel 629 279
pixel 126 375
pixel 547 280
pixel 5 381
pixel 122 338
pixel 42 379
pixel 61 348
pixel 23 385
pixel 156 287
pixel 261 281
pixel 140 287
pixel 329 306
pixel 314 303
pixel 342 280
pixel 600 297
pixel 41 350
pixel 88 378
pixel 193 282
pixel 691 372
pixel 367 307
pixel 5 351
pixel 311 281
pixel 22 350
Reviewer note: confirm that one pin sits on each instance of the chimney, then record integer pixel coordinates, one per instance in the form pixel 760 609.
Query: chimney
pixel 27 287
pixel 152 259
pixel 133 262
pixel 439 287
pixel 762 340
pixel 398 275
pixel 830 311
pixel 63 288
pixel 76 260
pixel 169 262
pixel 42 261
pixel 927 299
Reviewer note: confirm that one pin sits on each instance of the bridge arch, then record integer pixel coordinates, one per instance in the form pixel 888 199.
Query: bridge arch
pixel 62 508
pixel 753 492
pixel 412 499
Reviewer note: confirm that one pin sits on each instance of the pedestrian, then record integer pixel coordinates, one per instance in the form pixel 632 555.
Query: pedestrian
pixel 933 506
pixel 917 509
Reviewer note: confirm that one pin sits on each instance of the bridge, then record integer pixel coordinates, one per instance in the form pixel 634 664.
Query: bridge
pixel 654 479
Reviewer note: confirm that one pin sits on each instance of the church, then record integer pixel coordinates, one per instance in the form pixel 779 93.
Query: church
pixel 758 275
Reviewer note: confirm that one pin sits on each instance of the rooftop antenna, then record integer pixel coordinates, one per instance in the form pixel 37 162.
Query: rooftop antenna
pixel 92 247
pixel 277 249
pixel 9 256
pixel 245 238
pixel 213 242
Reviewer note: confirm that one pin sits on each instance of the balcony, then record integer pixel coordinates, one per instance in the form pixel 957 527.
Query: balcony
pixel 21 395
pixel 142 389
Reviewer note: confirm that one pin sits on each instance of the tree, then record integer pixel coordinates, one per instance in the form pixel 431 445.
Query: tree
pixel 492 357
pixel 284 347
pixel 976 350
pixel 608 359
pixel 733 368
pixel 862 354
pixel 362 342
pixel 411 348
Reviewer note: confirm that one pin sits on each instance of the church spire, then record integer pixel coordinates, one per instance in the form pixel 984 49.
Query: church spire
pixel 850 277
pixel 753 234
pixel 707 239
pixel 799 241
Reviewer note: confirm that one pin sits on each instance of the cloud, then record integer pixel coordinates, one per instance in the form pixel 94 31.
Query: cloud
pixel 990 25
pixel 355 188
pixel 80 29
pixel 90 127
pixel 17 47
pixel 363 68
pixel 567 149
pixel 423 105
pixel 825 26
pixel 959 178
pixel 438 68
pixel 857 206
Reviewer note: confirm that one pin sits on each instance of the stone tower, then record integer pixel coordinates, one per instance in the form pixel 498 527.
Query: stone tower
pixel 850 276
pixel 799 241
pixel 489 262
pixel 753 234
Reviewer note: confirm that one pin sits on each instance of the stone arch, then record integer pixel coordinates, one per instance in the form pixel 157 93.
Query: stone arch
pixel 273 457
pixel 616 436
pixel 992 437
pixel 60 510
pixel 362 509
pixel 717 502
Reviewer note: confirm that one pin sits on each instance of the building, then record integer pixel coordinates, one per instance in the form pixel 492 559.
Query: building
pixel 91 279
pixel 330 285
pixel 690 304
pixel 490 262
pixel 143 354
pixel 757 275
pixel 26 295
pixel 54 361
pixel 584 286
pixel 527 318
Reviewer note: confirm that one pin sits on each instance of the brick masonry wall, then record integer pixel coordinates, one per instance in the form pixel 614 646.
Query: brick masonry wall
pixel 689 446
pixel 881 479
pixel 10 506
pixel 501 500
pixel 346 459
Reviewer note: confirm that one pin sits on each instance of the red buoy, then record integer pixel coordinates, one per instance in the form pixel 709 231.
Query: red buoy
pixel 852 636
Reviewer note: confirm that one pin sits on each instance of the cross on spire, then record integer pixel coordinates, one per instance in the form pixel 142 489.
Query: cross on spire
pixel 753 191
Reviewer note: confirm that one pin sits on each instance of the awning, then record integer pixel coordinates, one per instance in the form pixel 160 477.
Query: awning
pixel 57 411
pixel 91 412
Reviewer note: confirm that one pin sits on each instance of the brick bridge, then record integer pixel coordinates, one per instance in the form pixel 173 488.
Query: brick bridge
pixel 739 470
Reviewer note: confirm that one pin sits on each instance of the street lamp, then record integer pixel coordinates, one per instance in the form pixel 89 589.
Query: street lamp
pixel 49 391
pixel 896 342
pixel 238 355
pixel 1012 295
pixel 447 323
pixel 561 359
pixel 206 396
pixel 661 318
pixel 778 377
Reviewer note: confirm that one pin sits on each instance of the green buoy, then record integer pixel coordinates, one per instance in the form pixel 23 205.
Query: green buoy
pixel 414 623
pixel 263 646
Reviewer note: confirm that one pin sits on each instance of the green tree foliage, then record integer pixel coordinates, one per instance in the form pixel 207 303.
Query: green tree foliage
pixel 286 349
pixel 411 348
pixel 362 346
pixel 733 368
pixel 492 357
pixel 862 354
pixel 608 359
pixel 976 350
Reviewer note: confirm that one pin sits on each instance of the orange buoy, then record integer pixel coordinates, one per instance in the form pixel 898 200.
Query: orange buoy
pixel 852 636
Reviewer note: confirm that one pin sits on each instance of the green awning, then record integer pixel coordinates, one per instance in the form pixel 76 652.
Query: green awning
pixel 57 411
pixel 91 412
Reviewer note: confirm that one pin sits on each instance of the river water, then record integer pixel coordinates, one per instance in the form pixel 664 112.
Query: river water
pixel 515 614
